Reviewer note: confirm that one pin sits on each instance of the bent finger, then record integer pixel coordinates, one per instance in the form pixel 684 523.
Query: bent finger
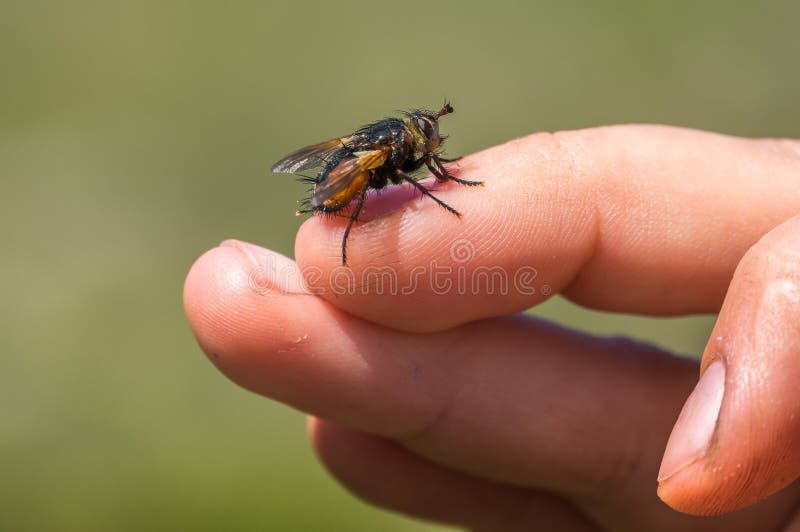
pixel 477 398
pixel 614 217
pixel 511 400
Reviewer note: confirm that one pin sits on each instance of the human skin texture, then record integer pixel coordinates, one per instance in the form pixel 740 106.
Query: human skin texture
pixel 439 400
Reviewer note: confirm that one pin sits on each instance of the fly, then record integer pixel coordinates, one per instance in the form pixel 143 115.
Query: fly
pixel 381 153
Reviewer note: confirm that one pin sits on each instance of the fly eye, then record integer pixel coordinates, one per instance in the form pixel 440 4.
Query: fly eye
pixel 426 127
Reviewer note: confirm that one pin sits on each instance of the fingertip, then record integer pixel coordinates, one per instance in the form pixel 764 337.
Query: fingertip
pixel 314 430
pixel 227 284
pixel 692 492
pixel 717 463
pixel 331 443
pixel 216 280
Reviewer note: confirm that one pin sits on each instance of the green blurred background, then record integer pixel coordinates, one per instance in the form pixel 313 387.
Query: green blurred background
pixel 135 135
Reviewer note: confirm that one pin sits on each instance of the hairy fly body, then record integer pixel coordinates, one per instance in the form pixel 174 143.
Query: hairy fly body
pixel 384 152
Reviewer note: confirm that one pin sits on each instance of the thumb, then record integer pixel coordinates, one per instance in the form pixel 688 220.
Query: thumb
pixel 737 439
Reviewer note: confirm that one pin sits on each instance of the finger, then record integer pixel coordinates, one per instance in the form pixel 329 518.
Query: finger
pixel 385 474
pixel 736 440
pixel 472 385
pixel 616 218
pixel 512 400
pixel 453 398
pixel 464 398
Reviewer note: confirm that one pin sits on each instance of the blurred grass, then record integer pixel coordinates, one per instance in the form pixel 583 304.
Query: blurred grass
pixel 135 135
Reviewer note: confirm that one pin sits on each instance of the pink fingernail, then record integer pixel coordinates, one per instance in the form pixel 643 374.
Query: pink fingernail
pixel 695 427
pixel 271 272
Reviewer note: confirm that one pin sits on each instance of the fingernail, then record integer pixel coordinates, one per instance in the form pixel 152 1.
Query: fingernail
pixel 270 272
pixel 695 427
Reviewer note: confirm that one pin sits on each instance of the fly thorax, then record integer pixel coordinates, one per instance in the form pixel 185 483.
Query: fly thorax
pixel 419 141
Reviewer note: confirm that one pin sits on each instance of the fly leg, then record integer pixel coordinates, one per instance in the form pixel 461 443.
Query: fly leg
pixel 441 173
pixel 425 192
pixel 353 217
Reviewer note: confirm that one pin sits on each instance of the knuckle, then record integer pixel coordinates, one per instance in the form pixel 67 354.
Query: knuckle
pixel 564 169
pixel 789 149
pixel 559 151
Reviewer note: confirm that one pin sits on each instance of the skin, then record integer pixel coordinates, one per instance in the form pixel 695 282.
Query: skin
pixel 449 405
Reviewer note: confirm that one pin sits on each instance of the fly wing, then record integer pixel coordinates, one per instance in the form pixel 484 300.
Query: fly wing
pixel 338 186
pixel 310 156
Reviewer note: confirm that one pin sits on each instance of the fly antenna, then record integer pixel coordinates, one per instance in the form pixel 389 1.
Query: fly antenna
pixel 445 110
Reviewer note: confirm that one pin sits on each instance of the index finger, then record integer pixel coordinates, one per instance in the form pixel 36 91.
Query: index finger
pixel 644 219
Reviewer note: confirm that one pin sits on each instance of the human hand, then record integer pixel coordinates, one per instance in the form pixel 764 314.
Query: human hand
pixel 440 402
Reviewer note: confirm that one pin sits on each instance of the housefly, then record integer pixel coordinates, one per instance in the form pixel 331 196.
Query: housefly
pixel 380 153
